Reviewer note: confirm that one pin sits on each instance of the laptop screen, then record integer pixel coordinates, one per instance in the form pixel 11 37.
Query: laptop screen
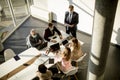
pixel 64 42
pixel 55 47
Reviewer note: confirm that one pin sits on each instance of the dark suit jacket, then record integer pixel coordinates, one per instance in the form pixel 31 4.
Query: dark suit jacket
pixel 48 33
pixel 74 19
pixel 34 41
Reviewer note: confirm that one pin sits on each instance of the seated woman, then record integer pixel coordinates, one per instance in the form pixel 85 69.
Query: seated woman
pixel 75 47
pixel 65 63
pixel 43 73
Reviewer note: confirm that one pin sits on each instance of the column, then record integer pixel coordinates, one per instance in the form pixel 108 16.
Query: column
pixel 102 30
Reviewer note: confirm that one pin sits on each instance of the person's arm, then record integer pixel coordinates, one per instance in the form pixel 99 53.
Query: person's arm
pixel 58 32
pixel 76 19
pixel 40 39
pixel 46 35
pixel 65 19
pixel 32 42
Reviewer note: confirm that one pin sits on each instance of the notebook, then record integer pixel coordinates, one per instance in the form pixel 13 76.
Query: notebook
pixel 55 47
pixel 16 57
pixel 51 60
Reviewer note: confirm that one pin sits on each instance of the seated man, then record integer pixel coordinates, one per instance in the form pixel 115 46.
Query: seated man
pixel 43 73
pixel 36 40
pixel 50 31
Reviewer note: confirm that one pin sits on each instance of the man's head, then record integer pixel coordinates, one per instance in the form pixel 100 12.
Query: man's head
pixel 42 68
pixel 33 33
pixel 50 25
pixel 71 8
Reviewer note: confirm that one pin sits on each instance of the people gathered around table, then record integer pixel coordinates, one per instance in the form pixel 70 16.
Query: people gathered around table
pixel 67 53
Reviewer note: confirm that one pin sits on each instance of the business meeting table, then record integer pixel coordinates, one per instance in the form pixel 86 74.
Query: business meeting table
pixel 25 68
pixel 7 67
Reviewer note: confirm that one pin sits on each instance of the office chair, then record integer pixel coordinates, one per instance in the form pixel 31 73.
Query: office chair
pixel 80 59
pixel 71 72
pixel 8 54
pixel 28 41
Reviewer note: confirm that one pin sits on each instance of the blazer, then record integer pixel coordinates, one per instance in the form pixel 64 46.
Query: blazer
pixel 74 19
pixel 35 40
pixel 48 33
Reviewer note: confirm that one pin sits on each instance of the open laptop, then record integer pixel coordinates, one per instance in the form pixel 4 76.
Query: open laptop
pixel 65 42
pixel 55 47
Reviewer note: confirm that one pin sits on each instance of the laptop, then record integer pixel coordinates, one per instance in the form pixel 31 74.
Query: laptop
pixel 55 47
pixel 65 42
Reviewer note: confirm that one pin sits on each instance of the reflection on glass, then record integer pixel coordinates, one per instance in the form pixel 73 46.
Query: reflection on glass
pixel 20 9
pixel 12 13
pixel 6 24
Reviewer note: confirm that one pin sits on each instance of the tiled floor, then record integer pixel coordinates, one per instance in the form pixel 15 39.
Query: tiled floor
pixel 18 39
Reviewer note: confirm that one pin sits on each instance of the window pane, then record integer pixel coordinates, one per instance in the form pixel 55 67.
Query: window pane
pixel 20 9
pixel 6 24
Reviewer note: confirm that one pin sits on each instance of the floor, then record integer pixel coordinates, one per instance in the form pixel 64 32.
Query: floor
pixel 18 39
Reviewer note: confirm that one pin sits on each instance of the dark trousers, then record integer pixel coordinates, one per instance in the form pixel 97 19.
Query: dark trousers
pixel 71 30
pixel 41 46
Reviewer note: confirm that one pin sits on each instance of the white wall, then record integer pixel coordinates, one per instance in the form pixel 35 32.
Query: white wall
pixel 39 9
pixel 85 8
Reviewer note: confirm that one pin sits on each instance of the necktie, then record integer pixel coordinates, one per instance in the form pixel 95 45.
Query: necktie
pixel 70 17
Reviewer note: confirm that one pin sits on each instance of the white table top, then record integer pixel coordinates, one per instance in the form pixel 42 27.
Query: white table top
pixel 30 72
pixel 64 35
pixel 12 64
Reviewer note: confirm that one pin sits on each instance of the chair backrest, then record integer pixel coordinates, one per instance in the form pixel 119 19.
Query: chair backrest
pixel 28 41
pixel 81 58
pixel 72 71
pixel 8 54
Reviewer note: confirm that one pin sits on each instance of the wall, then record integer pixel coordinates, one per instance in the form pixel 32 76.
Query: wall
pixel 85 9
pixel 39 9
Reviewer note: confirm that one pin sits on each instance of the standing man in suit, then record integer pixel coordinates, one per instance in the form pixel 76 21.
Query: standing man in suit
pixel 71 20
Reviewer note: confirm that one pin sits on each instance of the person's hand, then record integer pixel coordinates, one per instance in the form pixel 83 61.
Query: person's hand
pixel 61 37
pixel 52 40
pixel 71 25
pixel 65 24
pixel 47 52
pixel 40 41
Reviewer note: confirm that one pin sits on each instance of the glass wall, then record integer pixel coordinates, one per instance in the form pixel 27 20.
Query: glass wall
pixel 20 10
pixel 5 19
pixel 12 13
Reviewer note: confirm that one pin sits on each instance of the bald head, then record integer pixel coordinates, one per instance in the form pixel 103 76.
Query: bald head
pixel 33 32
